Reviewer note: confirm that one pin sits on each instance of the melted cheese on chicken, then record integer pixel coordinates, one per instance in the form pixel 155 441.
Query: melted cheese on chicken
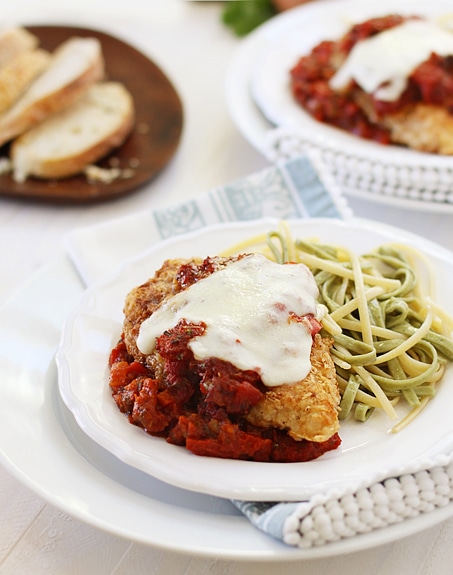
pixel 252 310
pixel 382 63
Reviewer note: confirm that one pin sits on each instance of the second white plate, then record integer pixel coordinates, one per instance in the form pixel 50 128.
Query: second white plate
pixel 368 453
pixel 261 105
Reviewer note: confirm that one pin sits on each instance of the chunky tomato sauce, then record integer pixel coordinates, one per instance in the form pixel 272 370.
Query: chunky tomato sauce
pixel 201 404
pixel 431 82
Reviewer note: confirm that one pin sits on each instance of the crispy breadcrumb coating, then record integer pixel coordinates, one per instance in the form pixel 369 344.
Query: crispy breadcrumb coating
pixel 308 408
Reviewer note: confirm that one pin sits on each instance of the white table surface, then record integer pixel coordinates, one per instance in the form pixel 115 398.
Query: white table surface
pixel 193 48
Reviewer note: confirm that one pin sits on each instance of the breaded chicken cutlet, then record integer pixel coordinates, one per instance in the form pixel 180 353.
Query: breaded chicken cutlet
pixel 242 418
pixel 308 409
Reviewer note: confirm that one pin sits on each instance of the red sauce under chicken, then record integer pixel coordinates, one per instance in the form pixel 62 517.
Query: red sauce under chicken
pixel 201 404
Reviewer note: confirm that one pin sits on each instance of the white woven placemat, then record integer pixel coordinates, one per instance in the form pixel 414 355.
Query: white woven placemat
pixel 426 184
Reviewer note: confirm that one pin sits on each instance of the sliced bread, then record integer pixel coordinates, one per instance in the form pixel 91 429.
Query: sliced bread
pixel 19 73
pixel 75 65
pixel 14 41
pixel 81 134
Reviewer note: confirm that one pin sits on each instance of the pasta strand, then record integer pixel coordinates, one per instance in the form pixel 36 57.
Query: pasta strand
pixel 391 340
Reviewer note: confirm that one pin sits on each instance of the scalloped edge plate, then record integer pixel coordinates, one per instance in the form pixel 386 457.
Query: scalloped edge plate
pixel 368 452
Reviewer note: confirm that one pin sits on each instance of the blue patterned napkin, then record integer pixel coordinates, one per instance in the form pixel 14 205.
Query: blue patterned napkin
pixel 298 188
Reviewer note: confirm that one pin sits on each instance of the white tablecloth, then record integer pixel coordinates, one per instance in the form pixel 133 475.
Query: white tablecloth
pixel 188 41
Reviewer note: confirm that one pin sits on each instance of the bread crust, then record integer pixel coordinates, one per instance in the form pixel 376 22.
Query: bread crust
pixel 15 41
pixel 29 111
pixel 25 153
pixel 18 74
pixel 88 138
pixel 66 167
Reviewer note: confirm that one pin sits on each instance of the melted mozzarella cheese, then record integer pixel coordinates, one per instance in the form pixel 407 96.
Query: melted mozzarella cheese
pixel 247 308
pixel 382 64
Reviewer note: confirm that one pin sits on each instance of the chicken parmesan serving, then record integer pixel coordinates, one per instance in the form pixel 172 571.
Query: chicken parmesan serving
pixel 388 79
pixel 224 356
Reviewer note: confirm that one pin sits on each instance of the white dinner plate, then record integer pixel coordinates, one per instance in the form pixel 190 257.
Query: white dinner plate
pixel 50 454
pixel 368 452
pixel 261 105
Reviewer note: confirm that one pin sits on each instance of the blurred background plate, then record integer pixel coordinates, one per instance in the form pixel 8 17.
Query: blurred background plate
pixel 261 105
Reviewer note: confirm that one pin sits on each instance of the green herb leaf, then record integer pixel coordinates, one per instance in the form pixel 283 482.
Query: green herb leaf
pixel 243 16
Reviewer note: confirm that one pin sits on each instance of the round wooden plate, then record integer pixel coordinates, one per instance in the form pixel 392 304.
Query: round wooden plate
pixel 150 146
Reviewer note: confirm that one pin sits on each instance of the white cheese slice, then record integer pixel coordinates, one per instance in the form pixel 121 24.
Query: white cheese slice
pixel 382 64
pixel 248 308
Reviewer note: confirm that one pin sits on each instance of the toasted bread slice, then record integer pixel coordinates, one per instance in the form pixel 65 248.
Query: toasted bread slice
pixel 81 134
pixel 15 41
pixel 75 65
pixel 19 73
